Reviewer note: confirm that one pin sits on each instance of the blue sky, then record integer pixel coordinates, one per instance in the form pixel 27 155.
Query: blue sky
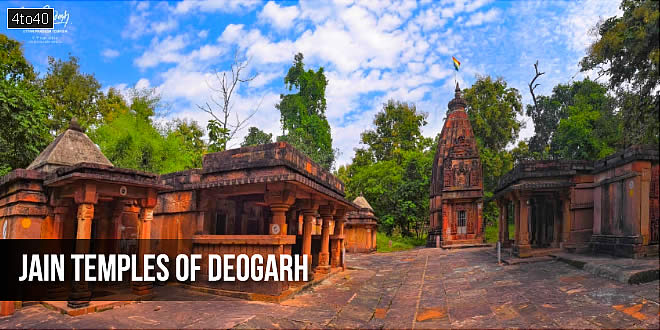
pixel 371 50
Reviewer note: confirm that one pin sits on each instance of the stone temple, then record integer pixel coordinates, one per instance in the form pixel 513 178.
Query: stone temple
pixel 456 183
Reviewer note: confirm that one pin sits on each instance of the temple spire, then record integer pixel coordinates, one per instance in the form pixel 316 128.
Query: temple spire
pixel 458 103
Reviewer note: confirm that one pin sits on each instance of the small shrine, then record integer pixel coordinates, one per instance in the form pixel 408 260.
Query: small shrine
pixel 361 228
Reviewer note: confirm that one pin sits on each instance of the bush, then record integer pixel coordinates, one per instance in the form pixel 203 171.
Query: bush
pixel 399 243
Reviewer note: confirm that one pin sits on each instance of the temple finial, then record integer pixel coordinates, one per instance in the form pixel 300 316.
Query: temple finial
pixel 74 125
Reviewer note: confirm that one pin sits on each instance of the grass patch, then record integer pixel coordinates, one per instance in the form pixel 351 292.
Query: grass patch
pixel 491 233
pixel 398 243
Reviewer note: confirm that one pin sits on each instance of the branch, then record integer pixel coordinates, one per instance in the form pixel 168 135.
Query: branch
pixel 531 83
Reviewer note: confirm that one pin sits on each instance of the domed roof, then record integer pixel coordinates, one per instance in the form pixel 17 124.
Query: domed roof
pixel 362 203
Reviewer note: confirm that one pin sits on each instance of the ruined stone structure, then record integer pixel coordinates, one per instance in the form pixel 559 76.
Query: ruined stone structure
pixel 266 199
pixel 456 183
pixel 72 191
pixel 608 206
pixel 361 227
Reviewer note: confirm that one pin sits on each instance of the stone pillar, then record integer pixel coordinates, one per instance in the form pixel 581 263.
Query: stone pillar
pixel 523 247
pixel 516 220
pixel 278 224
pixel 505 217
pixel 145 219
pixel 80 293
pixel 308 208
pixel 565 219
pixel 340 219
pixel 556 227
pixel 279 197
pixel 326 211
pixel 500 222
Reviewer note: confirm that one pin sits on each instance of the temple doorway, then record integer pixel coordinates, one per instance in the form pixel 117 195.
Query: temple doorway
pixel 544 222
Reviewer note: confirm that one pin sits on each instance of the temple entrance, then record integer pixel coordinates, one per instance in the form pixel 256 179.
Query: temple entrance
pixel 544 221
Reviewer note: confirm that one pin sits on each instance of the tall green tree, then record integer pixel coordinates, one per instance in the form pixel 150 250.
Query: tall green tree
pixel 393 171
pixel 493 109
pixel 591 129
pixel 256 137
pixel 71 93
pixel 23 113
pixel 303 119
pixel 628 52
pixel 397 128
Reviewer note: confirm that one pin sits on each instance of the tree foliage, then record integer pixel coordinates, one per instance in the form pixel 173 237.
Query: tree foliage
pixel 393 171
pixel 304 124
pixel 493 109
pixel 134 140
pixel 23 113
pixel 397 128
pixel 578 121
pixel 70 93
pixel 256 137
pixel 628 52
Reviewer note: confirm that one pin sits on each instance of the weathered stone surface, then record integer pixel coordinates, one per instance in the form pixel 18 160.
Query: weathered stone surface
pixel 398 290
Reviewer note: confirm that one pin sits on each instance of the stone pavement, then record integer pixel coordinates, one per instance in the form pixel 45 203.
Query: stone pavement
pixel 423 288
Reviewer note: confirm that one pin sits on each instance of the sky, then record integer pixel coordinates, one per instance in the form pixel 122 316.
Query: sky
pixel 371 51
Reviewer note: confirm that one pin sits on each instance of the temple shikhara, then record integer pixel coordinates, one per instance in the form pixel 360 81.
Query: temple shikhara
pixel 267 199
pixel 456 183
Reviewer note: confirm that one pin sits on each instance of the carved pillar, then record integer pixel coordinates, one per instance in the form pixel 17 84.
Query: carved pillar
pixel 516 219
pixel 80 293
pixel 279 197
pixel 145 219
pixel 309 208
pixel 340 219
pixel 523 247
pixel 500 222
pixel 326 211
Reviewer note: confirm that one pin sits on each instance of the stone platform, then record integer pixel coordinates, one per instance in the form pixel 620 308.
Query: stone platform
pixel 420 289
pixel 624 270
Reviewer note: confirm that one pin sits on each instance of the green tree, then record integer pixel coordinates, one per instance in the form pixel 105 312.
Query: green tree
pixel 71 93
pixel 398 128
pixel 256 137
pixel 133 140
pixel 304 124
pixel 628 52
pixel 592 129
pixel 393 171
pixel 189 135
pixel 578 121
pixel 112 104
pixel 23 113
pixel 493 109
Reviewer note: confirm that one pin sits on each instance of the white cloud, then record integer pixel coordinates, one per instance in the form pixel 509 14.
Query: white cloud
pixel 480 18
pixel 209 6
pixel 109 53
pixel 162 51
pixel 281 17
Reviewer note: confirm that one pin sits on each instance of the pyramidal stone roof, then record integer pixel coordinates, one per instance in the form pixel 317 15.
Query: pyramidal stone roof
pixel 362 203
pixel 69 148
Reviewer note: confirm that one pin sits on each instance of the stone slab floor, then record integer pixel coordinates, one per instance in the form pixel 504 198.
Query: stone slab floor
pixel 423 288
